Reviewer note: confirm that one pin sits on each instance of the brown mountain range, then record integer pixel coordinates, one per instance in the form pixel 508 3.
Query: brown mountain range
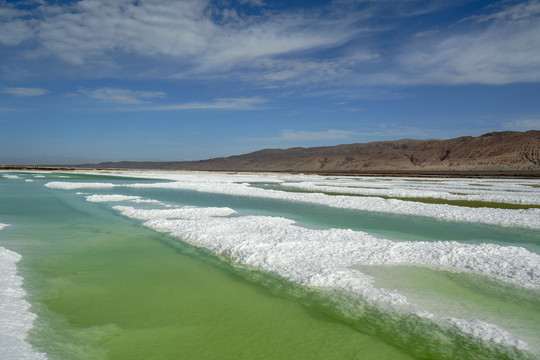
pixel 496 151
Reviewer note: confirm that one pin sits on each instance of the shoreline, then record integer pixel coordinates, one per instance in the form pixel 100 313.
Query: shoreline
pixel 509 173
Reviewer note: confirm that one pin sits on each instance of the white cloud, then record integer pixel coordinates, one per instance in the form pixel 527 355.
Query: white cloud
pixel 270 39
pixel 187 30
pixel 302 71
pixel 318 44
pixel 298 136
pixel 252 2
pixel 9 11
pixel 195 36
pixel 124 96
pixel 86 30
pixel 4 109
pixel 523 125
pixel 14 32
pixel 21 91
pixel 501 48
pixel 518 12
pixel 219 104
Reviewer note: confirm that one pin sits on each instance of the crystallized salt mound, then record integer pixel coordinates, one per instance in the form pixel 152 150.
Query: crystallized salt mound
pixel 106 198
pixel 529 218
pixel 13 177
pixel 325 258
pixel 301 254
pixel 487 331
pixel 74 185
pixel 119 198
pixel 449 190
pixel 16 318
pixel 187 212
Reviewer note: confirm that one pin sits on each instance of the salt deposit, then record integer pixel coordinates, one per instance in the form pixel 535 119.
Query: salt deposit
pixel 13 177
pixel 528 218
pixel 326 258
pixel 74 185
pixel 14 310
pixel 119 198
pixel 485 192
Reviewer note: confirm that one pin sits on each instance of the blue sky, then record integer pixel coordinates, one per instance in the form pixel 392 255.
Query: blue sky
pixel 97 80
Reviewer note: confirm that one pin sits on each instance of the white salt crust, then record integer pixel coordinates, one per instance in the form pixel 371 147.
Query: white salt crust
pixel 324 258
pixel 187 212
pixel 16 318
pixel 486 192
pixel 486 331
pixel 75 185
pixel 119 198
pixel 13 177
pixel 527 218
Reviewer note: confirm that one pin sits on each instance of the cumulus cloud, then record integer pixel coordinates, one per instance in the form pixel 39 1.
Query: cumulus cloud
pixel 22 91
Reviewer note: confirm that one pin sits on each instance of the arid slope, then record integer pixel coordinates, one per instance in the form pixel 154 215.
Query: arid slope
pixel 493 151
pixel 497 151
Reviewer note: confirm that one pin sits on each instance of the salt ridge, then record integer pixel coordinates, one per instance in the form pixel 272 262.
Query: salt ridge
pixel 77 185
pixel 323 258
pixel 528 218
pixel 13 177
pixel 14 310
pixel 487 331
pixel 120 198
pixel 187 212
pixel 519 196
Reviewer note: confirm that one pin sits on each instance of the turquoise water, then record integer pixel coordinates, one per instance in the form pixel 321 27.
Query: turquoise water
pixel 104 286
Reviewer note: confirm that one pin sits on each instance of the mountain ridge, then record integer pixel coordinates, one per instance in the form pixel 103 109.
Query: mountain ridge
pixel 495 151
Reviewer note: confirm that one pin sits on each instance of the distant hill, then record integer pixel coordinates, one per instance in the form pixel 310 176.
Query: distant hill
pixel 496 151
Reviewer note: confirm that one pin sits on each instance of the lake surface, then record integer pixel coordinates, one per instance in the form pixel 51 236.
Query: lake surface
pixel 215 266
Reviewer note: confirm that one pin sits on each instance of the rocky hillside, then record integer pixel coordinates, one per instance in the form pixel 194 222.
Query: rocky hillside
pixel 495 151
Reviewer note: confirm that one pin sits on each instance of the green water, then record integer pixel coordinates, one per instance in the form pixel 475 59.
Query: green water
pixel 105 287
pixel 465 296
pixel 390 226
